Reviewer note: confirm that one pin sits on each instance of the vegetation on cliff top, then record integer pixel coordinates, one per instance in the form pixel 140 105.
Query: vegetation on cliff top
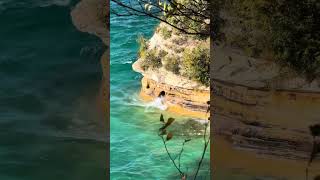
pixel 286 31
pixel 182 20
pixel 191 62
pixel 196 64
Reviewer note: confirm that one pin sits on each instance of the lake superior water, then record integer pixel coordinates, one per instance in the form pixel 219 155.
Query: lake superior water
pixel 136 151
pixel 50 122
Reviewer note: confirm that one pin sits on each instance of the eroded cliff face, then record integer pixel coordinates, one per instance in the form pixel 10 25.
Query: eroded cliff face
pixel 92 16
pixel 183 96
pixel 189 102
pixel 263 113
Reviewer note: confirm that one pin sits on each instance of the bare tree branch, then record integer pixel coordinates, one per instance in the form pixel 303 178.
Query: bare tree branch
pixel 191 13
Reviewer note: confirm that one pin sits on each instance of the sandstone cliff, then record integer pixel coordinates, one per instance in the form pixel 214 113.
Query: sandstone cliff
pixel 262 112
pixel 92 16
pixel 183 95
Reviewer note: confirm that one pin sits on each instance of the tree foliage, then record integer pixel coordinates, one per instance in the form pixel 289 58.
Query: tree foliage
pixel 286 29
pixel 296 35
pixel 196 64
pixel 152 60
pixel 172 64
pixel 188 16
pixel 143 46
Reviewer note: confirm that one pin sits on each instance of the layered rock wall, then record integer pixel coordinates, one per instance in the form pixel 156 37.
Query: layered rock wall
pixel 189 102
pixel 183 95
pixel 263 113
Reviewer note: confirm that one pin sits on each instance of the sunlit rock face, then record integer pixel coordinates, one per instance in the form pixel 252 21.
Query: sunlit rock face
pixel 183 101
pixel 92 16
pixel 183 95
pixel 263 111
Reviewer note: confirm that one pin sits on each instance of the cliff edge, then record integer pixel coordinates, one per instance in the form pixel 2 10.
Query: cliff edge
pixel 161 64
pixel 92 16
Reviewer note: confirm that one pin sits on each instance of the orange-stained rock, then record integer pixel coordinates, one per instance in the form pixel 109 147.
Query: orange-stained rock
pixel 189 102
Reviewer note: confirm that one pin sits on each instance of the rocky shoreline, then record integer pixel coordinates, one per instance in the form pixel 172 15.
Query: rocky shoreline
pixel 188 102
pixel 183 100
pixel 92 16
pixel 183 96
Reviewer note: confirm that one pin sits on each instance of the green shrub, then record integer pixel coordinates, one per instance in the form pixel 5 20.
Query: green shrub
pixel 162 53
pixel 191 23
pixel 142 47
pixel 165 32
pixel 196 64
pixel 287 29
pixel 296 36
pixel 180 40
pixel 172 64
pixel 179 49
pixel 152 60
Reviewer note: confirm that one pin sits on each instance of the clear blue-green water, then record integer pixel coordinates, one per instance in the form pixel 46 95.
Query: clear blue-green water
pixel 136 151
pixel 50 78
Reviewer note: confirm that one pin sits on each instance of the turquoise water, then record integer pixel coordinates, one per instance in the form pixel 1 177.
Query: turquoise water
pixel 50 73
pixel 136 151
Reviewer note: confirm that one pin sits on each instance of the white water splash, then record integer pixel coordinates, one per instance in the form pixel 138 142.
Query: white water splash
pixel 159 103
pixel 202 121
pixel 134 100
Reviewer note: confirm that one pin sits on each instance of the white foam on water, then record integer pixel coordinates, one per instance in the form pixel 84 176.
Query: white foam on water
pixel 4 4
pixel 127 62
pixel 46 3
pixel 202 121
pixel 157 103
pixel 134 101
pixel 128 99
